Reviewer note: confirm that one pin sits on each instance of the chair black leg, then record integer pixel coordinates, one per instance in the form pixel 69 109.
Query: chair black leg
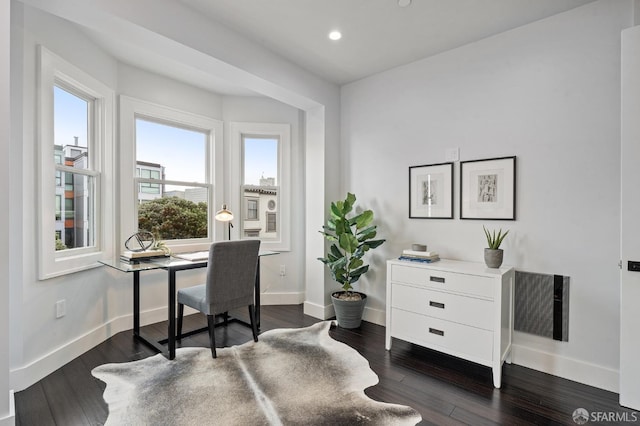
pixel 225 317
pixel 212 338
pixel 252 318
pixel 180 315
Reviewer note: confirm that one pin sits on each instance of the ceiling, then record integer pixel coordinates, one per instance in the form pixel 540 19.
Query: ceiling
pixel 377 34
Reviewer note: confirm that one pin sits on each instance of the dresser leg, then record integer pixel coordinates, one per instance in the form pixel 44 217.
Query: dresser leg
pixel 387 343
pixel 497 376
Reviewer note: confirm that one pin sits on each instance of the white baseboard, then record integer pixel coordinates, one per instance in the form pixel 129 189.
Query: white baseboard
pixel 10 419
pixel 22 377
pixel 318 311
pixel 567 368
pixel 291 298
pixel 375 316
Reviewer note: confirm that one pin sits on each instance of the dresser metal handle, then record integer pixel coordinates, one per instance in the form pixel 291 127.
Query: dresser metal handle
pixel 436 304
pixel 436 279
pixel 436 331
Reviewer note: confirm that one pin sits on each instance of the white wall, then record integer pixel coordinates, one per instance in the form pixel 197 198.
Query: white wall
pixel 549 93
pixel 289 288
pixel 94 298
pixel 98 301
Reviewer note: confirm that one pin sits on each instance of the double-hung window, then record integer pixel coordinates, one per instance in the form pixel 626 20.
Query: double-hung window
pixel 261 182
pixel 168 173
pixel 75 142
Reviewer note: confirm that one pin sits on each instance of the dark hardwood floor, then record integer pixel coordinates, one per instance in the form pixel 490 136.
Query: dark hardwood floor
pixel 445 390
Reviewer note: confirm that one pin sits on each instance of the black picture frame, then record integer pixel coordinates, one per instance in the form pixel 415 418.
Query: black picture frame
pixel 488 189
pixel 431 191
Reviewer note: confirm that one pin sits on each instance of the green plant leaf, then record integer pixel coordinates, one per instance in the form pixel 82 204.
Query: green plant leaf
pixel 355 274
pixel 334 250
pixel 364 219
pixel 341 226
pixel 355 263
pixel 348 243
pixel 375 243
pixel 364 237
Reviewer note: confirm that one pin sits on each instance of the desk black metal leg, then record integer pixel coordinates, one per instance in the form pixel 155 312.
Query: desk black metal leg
pixel 257 296
pixel 172 314
pixel 136 303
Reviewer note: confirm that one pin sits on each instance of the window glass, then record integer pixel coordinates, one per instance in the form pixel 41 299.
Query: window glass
pixel 260 161
pixel 71 128
pixel 252 209
pixel 260 184
pixel 180 152
pixel 74 221
pixel 170 163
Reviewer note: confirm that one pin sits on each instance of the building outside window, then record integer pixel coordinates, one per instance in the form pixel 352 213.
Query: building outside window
pixel 271 222
pixel 252 208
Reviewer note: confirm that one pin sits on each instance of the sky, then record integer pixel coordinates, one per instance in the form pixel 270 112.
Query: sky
pixel 181 151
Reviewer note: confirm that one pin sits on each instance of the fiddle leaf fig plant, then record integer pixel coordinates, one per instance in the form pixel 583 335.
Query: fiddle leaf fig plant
pixel 494 240
pixel 351 235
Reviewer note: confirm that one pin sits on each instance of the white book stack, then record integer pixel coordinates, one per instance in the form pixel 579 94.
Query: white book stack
pixel 419 256
pixel 132 256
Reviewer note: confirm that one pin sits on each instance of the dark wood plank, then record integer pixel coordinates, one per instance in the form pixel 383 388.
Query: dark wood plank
pixel 66 409
pixel 444 389
pixel 32 407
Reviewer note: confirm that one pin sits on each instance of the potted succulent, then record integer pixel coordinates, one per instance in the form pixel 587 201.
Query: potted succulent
pixel 493 254
pixel 351 236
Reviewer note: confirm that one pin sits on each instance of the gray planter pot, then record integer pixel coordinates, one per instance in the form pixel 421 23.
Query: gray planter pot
pixel 493 257
pixel 349 312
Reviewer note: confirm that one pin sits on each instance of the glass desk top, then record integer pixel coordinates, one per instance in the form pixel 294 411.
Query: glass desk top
pixel 167 262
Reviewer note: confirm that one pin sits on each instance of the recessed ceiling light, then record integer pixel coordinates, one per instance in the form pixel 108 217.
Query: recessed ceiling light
pixel 335 35
pixel 404 3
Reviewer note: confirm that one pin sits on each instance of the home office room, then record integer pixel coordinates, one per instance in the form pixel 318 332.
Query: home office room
pixel 189 110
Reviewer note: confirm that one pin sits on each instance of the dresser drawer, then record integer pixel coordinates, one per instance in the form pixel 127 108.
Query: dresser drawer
pixel 456 339
pixel 441 280
pixel 451 307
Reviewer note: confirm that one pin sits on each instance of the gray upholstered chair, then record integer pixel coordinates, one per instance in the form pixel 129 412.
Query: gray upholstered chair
pixel 230 284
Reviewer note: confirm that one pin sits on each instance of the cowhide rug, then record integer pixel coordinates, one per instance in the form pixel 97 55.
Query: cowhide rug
pixel 291 376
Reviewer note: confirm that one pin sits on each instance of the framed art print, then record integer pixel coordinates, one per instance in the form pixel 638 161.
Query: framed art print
pixel 431 191
pixel 488 189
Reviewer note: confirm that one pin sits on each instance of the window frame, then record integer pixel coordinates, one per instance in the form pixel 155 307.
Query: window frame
pixel 281 131
pixel 132 109
pixel 55 71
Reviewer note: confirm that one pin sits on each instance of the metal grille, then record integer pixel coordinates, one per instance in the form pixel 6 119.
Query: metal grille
pixel 542 305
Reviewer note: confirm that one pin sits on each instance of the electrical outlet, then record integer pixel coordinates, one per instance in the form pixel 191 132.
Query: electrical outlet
pixel 61 308
pixel 282 271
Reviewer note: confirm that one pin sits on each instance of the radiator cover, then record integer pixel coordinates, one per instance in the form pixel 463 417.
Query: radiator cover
pixel 541 305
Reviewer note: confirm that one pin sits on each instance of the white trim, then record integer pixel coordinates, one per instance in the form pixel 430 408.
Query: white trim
pixel 318 311
pixel 567 368
pixel 54 70
pixel 34 371
pixel 10 419
pixel 282 132
pixel 132 108
pixel 375 316
pixel 286 298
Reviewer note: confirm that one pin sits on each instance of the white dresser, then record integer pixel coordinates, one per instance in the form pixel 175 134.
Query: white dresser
pixel 460 308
